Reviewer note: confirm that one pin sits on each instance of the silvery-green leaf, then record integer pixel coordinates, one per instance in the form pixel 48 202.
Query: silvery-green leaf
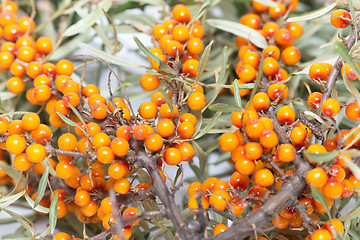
pixel 314 14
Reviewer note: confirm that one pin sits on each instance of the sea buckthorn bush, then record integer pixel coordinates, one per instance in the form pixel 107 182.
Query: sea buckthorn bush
pixel 221 129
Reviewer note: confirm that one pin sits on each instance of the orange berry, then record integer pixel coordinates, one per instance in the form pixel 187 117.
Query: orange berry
pixel 186 130
pixel 278 90
pixel 285 115
pixel 291 55
pixel 298 135
pixel 43 45
pixel 67 142
pixel 321 234
pixel 64 67
pixel 245 166
pixel 253 150
pixel 219 199
pixel 219 228
pixel 149 82
pixel 64 170
pixel 314 100
pixel 278 11
pixel 165 128
pixel 15 85
pixel 187 151
pixel 122 186
pixel 353 111
pixel 268 139
pixel 36 153
pixel 119 169
pixel 317 177
pixel 261 101
pixel 270 66
pixel 105 155
pixel 191 67
pixel 333 226
pixel 21 162
pixel 195 46
pixel 181 13
pixel 196 101
pixel 251 20
pixel 330 107
pixel 172 156
pixel 15 144
pixel 285 153
pixel 332 189
pixel 340 18
pixel 98 110
pixel 264 178
pixel 228 142
pixel 120 147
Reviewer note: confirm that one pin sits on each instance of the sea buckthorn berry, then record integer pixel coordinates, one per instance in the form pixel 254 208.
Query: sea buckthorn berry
pixel 26 24
pixel 180 33
pixel 169 24
pixel 42 93
pixel 120 147
pixel 149 82
pixel 61 108
pixel 15 85
pixel 196 101
pixel 283 36
pixel 165 111
pixel 295 29
pixel 98 110
pixel 4 125
pixel 285 153
pixel 318 72
pixel 140 132
pixel 314 100
pixel 285 115
pixel 350 74
pixel 347 188
pixel 280 222
pixel 195 46
pixel 60 80
pixel 333 226
pixel 229 142
pixel 12 32
pixel 71 98
pixel 271 66
pixel 291 55
pixel 330 107
pixel 251 20
pixel 34 69
pixel 219 228
pixel 187 151
pixel 251 58
pixel 42 80
pixel 82 198
pixel 221 185
pixel 165 128
pixel 261 101
pixel 90 209
pixel 119 103
pixel 130 212
pixel 270 28
pixel 298 135
pixel 64 170
pixel 245 166
pixel 321 234
pixel 172 156
pixel 194 206
pixel 123 131
pixel 254 128
pixel 253 150
pixel 219 199
pixel 197 31
pixel 154 142
pixel 174 48
pixel 67 142
pixel 148 110
pixel 239 181
pixel 106 205
pixel 105 155
pixel 121 186
pixel 272 51
pixel 188 117
pixel 101 139
pixel 21 162
pixel 194 187
pixel 119 169
pixel 17 69
pixel 316 177
pixel 90 90
pixel 159 31
pixel 336 172
pixel 191 67
pixel 340 18
pixel 332 189
pixel 43 45
pixel 181 13
pixel 25 54
pixel 278 11
pixel 36 153
pixel 64 67
pixel 242 92
pixel 264 178
pixel 70 86
pixel 247 73
pixel 164 40
pixel 15 144
pixel 6 59
pixel 268 139
pixel 61 236
pixel 353 111
pixel 186 130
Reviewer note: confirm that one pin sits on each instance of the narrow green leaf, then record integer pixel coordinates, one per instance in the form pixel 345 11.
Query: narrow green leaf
pixel 319 197
pixel 199 152
pixel 209 126
pixel 22 220
pixel 106 56
pixel 237 94
pixel 355 169
pixel 42 186
pixel 239 30
pixel 204 60
pixel 354 235
pixel 242 86
pixel 196 170
pixel 163 66
pixel 268 3
pixel 344 54
pixel 53 213
pixel 225 108
pixel 178 173
pixel 315 14
pixel 13 173
pixel 13 113
pixel 38 208
pixel 204 7
pixel 69 121
pixel 321 158
pixel 168 101
pixel 198 115
pixel 8 200
pixel 87 21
